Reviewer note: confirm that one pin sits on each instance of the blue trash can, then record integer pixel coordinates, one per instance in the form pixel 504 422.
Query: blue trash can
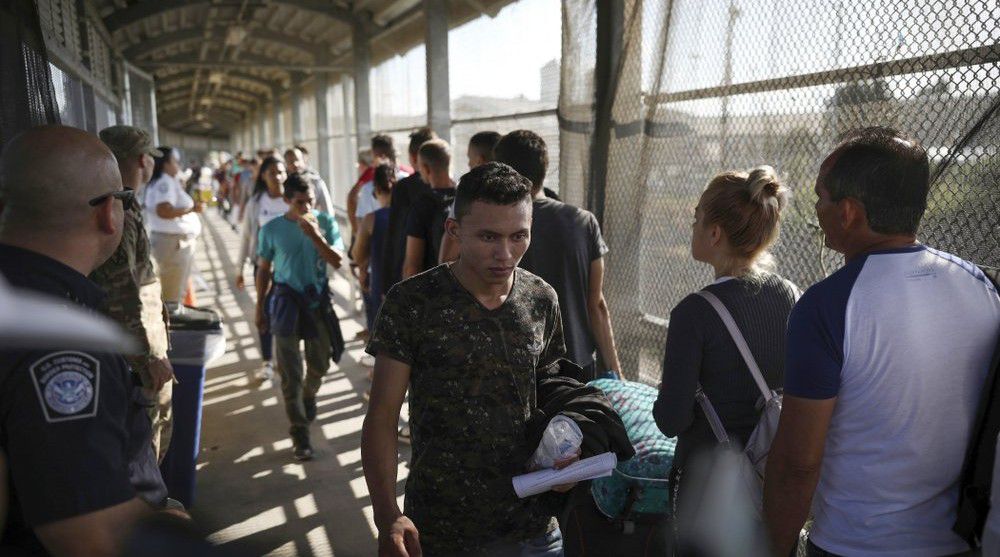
pixel 196 338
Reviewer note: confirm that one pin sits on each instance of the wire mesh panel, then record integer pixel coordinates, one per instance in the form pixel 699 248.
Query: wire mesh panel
pixel 545 125
pixel 398 89
pixel 141 100
pixel 576 99
pixel 712 85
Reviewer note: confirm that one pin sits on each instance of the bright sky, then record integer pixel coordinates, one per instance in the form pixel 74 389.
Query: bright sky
pixel 501 57
pixel 493 57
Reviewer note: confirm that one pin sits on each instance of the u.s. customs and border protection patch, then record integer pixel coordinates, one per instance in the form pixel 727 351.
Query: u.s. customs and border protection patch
pixel 67 384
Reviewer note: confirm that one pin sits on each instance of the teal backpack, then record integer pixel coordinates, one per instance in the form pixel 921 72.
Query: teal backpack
pixel 637 487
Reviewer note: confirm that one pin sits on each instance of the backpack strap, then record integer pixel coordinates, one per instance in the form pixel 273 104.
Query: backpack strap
pixel 741 343
pixel 713 417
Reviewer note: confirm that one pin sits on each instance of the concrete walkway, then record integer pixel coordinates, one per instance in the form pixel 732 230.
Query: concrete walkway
pixel 252 496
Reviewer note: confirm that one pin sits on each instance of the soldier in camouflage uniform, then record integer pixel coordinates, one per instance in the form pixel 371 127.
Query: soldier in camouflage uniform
pixel 129 277
pixel 469 340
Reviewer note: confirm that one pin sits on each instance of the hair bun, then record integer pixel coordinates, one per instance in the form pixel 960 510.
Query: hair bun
pixel 765 186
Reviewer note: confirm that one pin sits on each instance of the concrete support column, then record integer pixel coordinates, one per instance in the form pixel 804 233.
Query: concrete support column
pixel 322 84
pixel 362 95
pixel 254 134
pixel 296 99
pixel 265 137
pixel 278 120
pixel 438 95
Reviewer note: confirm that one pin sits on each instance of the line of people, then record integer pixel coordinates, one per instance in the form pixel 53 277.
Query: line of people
pixel 485 307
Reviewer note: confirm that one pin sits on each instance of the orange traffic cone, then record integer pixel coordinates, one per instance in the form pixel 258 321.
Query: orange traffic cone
pixel 189 297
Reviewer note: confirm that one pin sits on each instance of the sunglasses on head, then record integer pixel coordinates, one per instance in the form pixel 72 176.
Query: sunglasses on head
pixel 127 197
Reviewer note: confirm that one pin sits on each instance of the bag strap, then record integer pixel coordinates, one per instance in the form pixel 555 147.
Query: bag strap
pixel 741 343
pixel 713 417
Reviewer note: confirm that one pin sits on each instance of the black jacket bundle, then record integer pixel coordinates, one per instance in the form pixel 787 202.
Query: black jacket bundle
pixel 602 428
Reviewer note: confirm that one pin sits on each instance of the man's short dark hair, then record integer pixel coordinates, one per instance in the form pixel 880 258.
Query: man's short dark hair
pixel 294 184
pixel 526 153
pixel 436 154
pixel 302 148
pixel 484 143
pixel 419 137
pixel 885 171
pixel 494 183
pixel 382 145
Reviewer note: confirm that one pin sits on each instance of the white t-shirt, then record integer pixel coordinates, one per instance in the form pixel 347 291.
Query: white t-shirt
pixel 366 197
pixel 903 339
pixel 269 208
pixel 166 189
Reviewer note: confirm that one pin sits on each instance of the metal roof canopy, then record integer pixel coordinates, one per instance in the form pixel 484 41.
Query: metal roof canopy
pixel 209 58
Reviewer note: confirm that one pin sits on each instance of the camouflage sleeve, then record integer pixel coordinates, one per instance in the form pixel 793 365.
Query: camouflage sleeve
pixel 555 344
pixel 394 329
pixel 154 320
pixel 132 289
pixel 154 317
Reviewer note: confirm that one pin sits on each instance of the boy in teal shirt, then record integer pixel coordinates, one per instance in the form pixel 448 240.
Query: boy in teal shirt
pixel 297 248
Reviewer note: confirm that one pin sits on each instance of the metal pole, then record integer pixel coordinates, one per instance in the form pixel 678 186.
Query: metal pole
pixel 438 95
pixel 322 84
pixel 362 98
pixel 296 100
pixel 610 30
pixel 278 123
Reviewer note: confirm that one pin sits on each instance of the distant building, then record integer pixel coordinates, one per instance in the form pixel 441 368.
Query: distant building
pixel 550 82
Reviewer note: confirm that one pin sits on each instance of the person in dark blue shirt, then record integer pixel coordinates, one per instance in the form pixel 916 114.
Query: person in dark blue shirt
pixel 73 425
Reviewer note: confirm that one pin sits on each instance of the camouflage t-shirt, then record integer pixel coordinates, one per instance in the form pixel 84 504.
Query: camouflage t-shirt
pixel 472 389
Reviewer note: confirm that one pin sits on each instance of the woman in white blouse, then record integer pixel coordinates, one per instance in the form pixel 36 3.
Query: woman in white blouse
pixel 173 225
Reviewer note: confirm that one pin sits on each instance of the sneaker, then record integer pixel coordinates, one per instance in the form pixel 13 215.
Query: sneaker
pixel 265 373
pixel 367 360
pixel 404 434
pixel 302 448
pixel 310 404
pixel 303 453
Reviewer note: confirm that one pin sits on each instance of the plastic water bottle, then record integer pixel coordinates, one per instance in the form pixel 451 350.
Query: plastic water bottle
pixel 561 440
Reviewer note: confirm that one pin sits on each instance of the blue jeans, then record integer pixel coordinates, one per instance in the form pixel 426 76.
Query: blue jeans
pixel 546 545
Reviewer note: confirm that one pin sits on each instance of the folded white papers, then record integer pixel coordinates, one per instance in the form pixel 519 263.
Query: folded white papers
pixel 541 481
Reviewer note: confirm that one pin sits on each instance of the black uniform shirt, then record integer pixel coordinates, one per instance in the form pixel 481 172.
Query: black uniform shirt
pixel 72 423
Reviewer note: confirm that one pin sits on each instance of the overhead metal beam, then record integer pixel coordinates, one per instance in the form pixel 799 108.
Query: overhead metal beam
pixel 243 65
pixel 247 83
pixel 361 50
pixel 179 112
pixel 228 96
pixel 143 48
pixel 176 104
pixel 152 8
pixel 233 84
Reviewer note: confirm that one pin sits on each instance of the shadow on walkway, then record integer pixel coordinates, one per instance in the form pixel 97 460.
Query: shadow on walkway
pixel 252 496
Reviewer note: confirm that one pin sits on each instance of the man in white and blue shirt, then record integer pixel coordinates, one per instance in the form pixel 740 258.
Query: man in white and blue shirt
pixel 886 361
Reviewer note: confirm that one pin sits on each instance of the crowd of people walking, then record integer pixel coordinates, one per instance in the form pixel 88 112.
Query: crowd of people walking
pixel 485 310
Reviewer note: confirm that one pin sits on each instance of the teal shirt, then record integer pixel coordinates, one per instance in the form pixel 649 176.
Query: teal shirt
pixel 294 259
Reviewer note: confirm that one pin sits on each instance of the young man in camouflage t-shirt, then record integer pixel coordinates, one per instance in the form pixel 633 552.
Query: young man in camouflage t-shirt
pixel 469 340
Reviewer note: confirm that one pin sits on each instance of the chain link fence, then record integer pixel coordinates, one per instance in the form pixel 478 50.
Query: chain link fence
pixel 711 85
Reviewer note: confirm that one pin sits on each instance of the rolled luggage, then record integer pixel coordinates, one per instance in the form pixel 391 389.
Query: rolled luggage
pixel 626 513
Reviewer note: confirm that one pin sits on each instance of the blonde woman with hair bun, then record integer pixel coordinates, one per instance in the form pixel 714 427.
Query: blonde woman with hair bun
pixel 737 219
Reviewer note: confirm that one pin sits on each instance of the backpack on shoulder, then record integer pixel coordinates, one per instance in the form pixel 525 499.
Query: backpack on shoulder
pixel 759 444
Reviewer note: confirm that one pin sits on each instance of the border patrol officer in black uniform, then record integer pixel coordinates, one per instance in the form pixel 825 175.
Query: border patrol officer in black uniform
pixel 72 423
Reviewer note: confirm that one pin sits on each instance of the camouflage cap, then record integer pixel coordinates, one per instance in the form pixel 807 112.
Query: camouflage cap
pixel 128 141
